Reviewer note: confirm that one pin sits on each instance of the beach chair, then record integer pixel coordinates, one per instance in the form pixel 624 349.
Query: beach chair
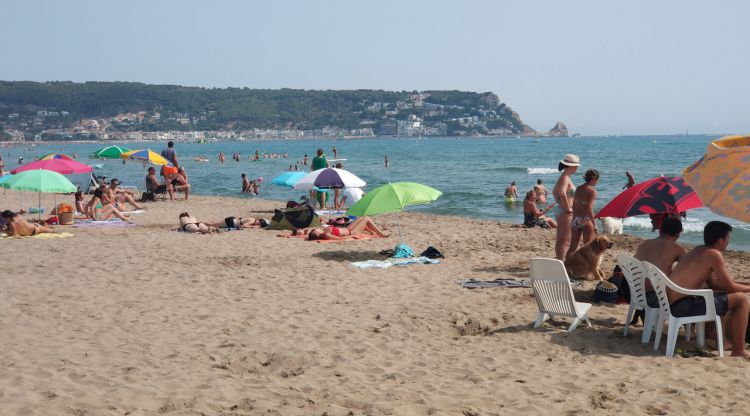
pixel 554 294
pixel 635 274
pixel 660 282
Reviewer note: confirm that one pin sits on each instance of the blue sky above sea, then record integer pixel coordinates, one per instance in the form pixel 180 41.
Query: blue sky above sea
pixel 600 67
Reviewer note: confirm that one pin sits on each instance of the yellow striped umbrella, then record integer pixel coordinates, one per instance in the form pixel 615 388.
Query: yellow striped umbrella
pixel 148 156
pixel 721 178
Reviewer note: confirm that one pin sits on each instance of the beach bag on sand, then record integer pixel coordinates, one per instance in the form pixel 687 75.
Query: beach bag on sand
pixel 432 253
pixel 402 251
pixel 148 196
pixel 291 218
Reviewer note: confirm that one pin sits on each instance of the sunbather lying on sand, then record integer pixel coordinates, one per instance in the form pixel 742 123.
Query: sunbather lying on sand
pixel 17 226
pixel 352 231
pixel 247 222
pixel 192 225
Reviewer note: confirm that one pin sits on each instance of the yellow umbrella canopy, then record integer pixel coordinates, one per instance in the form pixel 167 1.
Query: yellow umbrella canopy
pixel 721 178
pixel 146 155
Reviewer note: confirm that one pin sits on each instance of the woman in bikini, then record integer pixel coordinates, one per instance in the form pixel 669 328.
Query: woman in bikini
pixel 563 193
pixel 192 225
pixel 99 211
pixel 352 231
pixel 583 211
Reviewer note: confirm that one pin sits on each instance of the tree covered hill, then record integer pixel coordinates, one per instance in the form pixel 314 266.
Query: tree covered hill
pixel 239 108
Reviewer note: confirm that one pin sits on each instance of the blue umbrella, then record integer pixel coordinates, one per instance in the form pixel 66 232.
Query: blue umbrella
pixel 5 177
pixel 288 178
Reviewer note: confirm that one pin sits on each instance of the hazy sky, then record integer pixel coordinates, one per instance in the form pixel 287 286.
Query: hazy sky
pixel 601 67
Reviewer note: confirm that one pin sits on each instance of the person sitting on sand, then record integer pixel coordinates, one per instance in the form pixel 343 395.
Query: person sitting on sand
pixel 79 203
pixel 705 265
pixel 192 225
pixel 17 226
pixel 180 182
pixel 533 216
pixel 99 211
pixel 351 231
pixel 121 196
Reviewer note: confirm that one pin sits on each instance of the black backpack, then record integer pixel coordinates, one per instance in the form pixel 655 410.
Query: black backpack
pixel 148 196
pixel 432 253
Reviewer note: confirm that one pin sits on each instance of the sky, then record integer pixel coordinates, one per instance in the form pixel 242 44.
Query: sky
pixel 600 67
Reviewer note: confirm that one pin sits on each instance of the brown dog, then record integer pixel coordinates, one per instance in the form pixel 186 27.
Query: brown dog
pixel 586 261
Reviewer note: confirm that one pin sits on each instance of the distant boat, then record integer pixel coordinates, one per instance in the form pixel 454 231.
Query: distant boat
pixel 97 166
pixel 537 141
pixel 200 159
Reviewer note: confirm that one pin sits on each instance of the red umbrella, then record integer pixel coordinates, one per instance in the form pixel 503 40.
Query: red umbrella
pixel 670 195
pixel 62 166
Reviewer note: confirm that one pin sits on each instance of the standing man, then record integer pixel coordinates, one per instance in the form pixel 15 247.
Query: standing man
pixel 386 160
pixel 631 180
pixel 511 193
pixel 319 162
pixel 335 153
pixel 170 154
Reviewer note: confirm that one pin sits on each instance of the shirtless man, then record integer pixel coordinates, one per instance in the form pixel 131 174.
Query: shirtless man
pixel 705 265
pixel 19 227
pixel 121 196
pixel 511 193
pixel 153 185
pixel 663 252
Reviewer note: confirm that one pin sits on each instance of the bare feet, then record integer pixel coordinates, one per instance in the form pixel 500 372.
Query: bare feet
pixel 743 354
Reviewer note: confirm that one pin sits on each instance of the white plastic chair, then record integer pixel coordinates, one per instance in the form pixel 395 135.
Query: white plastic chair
pixel 635 274
pixel 660 283
pixel 554 294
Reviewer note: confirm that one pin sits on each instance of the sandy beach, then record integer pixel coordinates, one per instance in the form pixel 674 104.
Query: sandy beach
pixel 148 321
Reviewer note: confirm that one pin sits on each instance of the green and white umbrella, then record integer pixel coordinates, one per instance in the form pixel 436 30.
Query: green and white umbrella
pixel 109 152
pixel 39 181
pixel 394 197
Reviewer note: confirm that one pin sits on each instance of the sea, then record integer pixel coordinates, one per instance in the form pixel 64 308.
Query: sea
pixel 472 173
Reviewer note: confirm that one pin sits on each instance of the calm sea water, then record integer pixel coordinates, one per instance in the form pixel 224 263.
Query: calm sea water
pixel 472 173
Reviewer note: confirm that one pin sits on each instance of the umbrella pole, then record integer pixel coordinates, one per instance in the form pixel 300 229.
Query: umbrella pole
pixel 39 212
pixel 398 222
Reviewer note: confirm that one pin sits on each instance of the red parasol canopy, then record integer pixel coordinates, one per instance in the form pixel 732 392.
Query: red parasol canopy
pixel 670 195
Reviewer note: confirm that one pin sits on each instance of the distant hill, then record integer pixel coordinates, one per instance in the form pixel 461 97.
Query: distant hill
pixel 452 112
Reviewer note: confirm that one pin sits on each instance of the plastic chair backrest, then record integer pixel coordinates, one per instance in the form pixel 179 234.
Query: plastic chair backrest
pixel 659 282
pixel 551 285
pixel 635 274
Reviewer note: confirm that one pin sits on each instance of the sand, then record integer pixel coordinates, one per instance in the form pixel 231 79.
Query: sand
pixel 148 321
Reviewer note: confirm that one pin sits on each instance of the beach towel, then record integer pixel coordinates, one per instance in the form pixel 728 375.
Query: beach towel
pixel 484 284
pixel 138 211
pixel 359 237
pixel 96 224
pixel 384 264
pixel 43 235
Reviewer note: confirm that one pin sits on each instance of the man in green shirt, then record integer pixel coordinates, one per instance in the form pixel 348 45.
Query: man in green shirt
pixel 319 162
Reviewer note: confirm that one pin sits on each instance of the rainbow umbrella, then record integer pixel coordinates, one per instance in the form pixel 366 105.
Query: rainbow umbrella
pixel 721 178
pixel 55 156
pixel 63 166
pixel 109 152
pixel 148 156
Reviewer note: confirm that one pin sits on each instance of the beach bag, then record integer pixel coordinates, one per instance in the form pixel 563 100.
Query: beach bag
pixel 148 196
pixel 432 253
pixel 402 251
pixel 290 218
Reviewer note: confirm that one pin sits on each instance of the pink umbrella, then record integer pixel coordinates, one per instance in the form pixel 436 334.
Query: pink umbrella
pixel 62 166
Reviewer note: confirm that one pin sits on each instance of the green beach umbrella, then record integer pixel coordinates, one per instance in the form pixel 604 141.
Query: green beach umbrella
pixel 109 152
pixel 394 197
pixel 39 181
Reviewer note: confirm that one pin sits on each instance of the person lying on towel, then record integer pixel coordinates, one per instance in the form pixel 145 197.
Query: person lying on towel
pixel 356 228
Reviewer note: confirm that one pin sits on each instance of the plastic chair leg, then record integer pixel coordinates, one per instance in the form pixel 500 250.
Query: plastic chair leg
pixel 659 328
pixel 628 318
pixel 688 327
pixel 719 336
pixel 648 325
pixel 701 330
pixel 672 339
pixel 540 319
pixel 575 323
